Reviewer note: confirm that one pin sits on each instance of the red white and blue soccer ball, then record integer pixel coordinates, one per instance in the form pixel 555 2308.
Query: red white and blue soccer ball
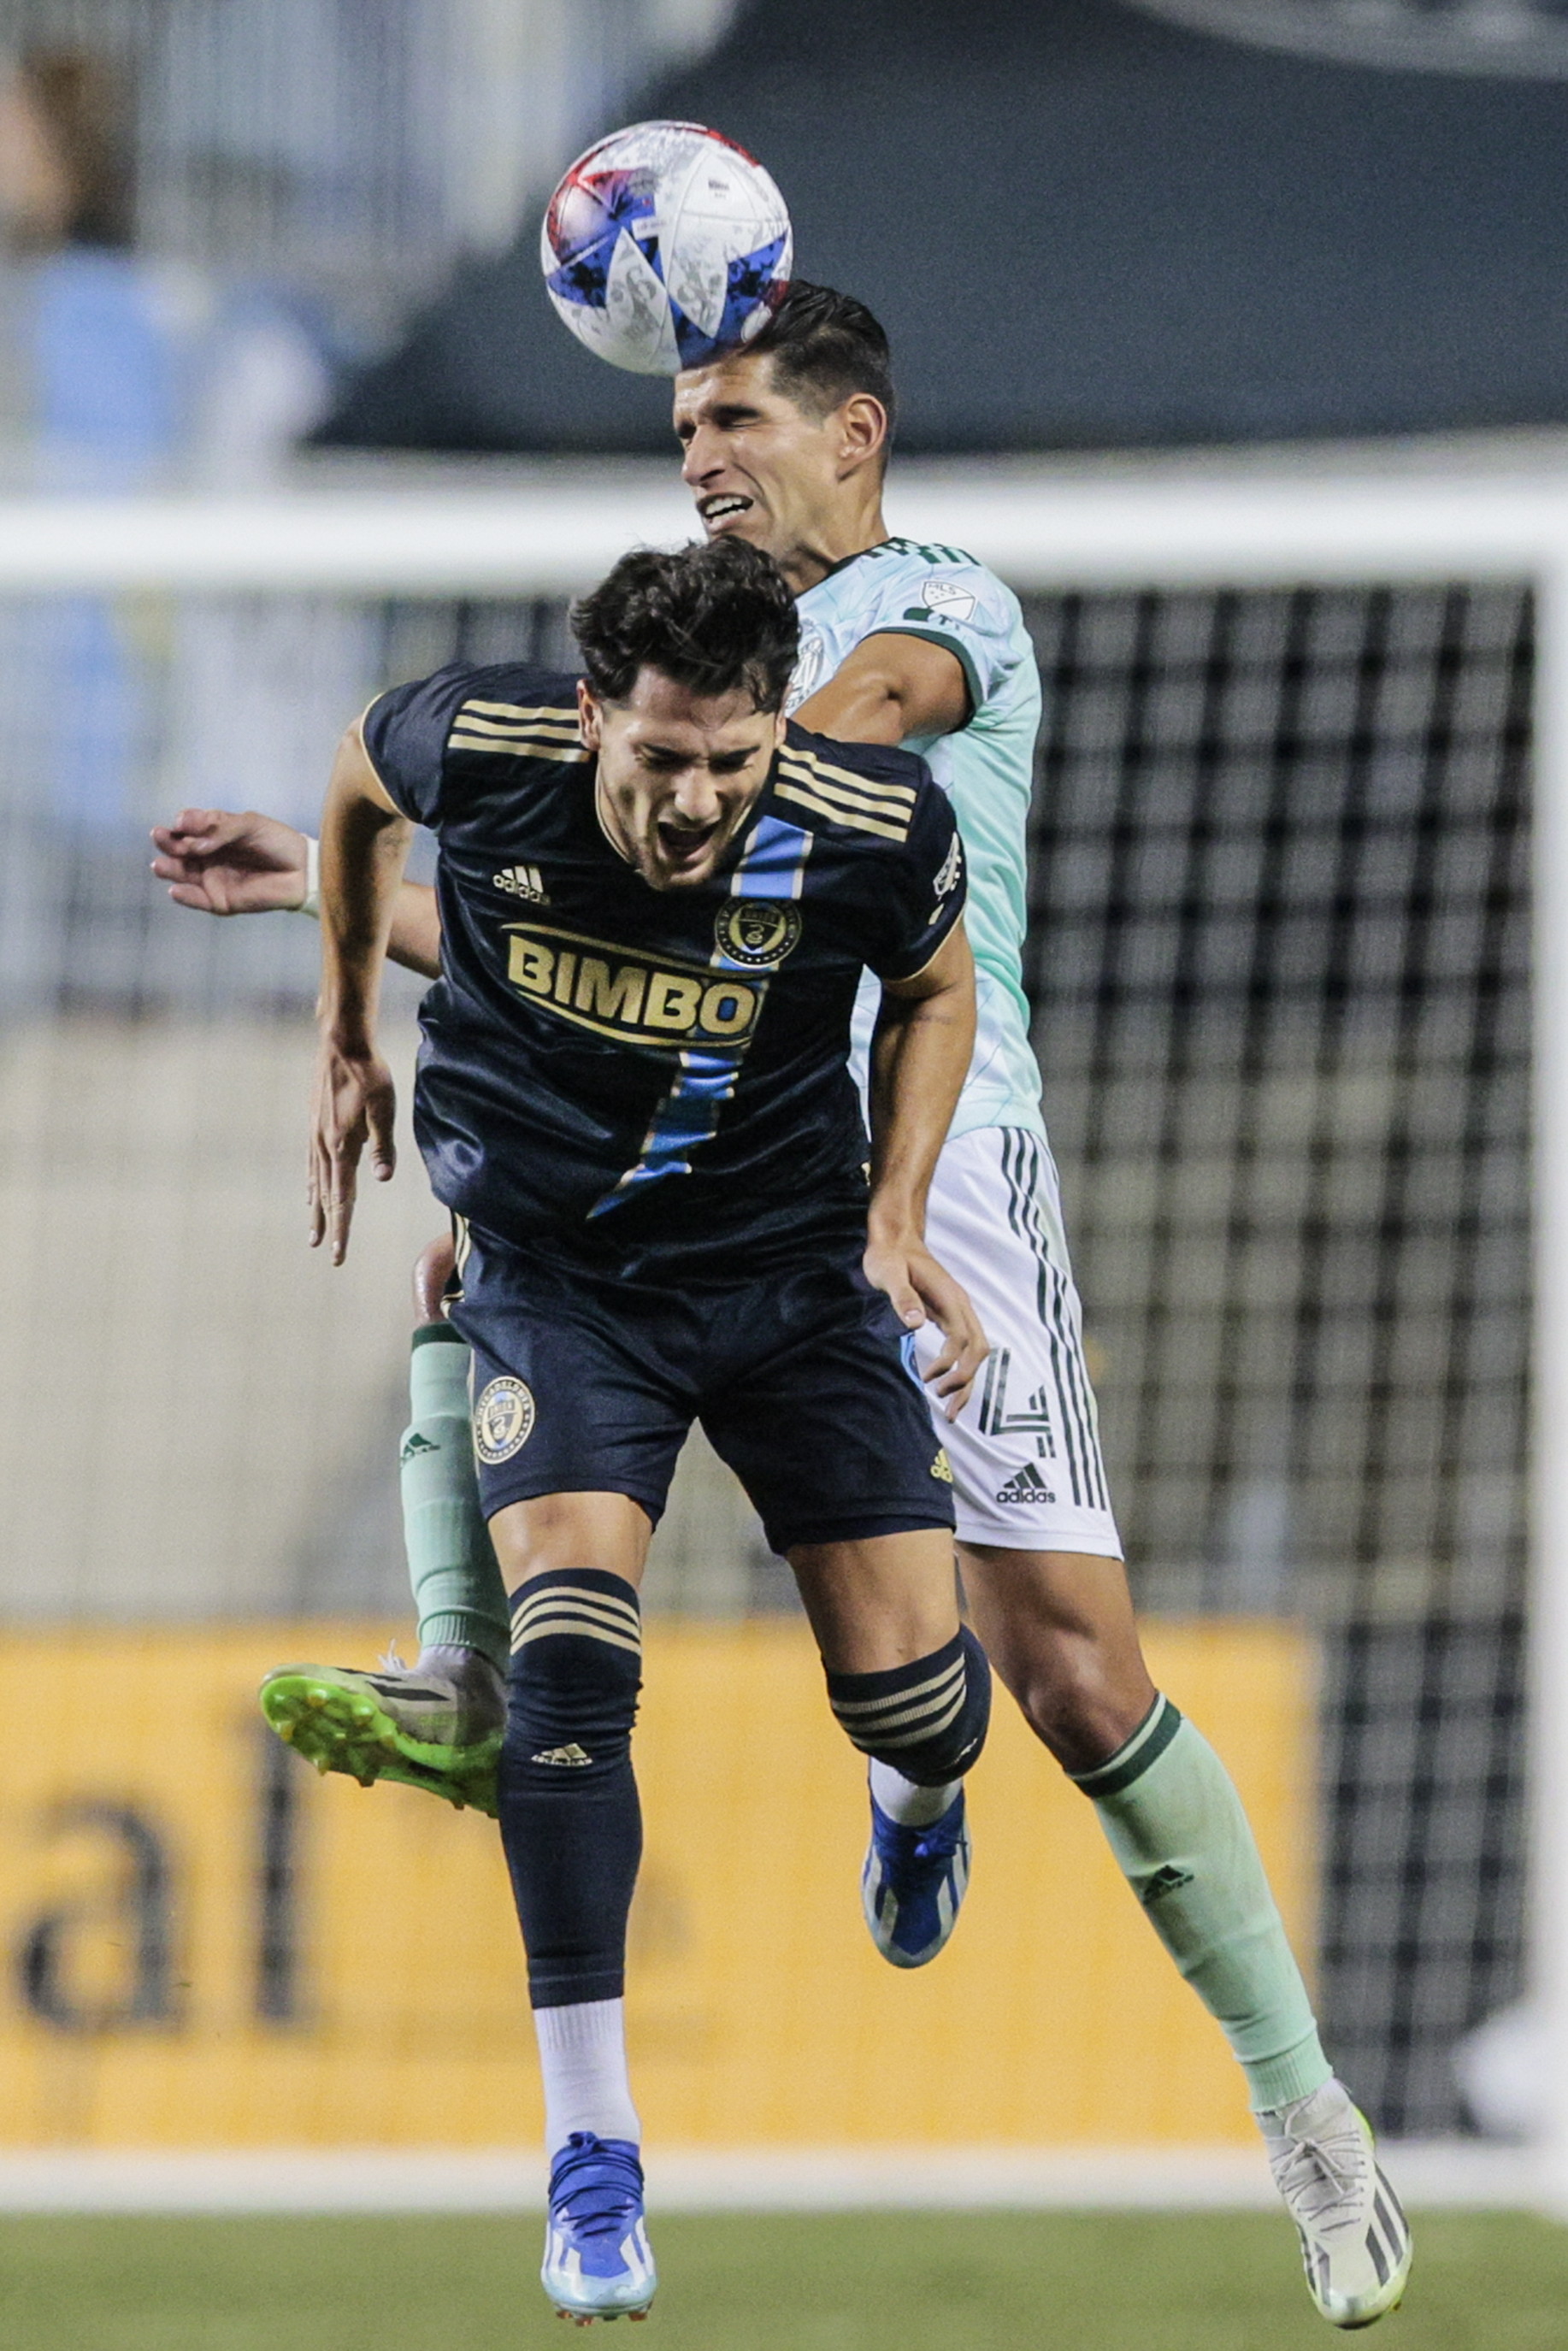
pixel 664 245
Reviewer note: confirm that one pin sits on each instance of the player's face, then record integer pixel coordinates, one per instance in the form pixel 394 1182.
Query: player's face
pixel 757 465
pixel 678 773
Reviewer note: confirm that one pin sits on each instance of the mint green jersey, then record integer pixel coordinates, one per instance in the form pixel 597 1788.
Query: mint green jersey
pixel 987 769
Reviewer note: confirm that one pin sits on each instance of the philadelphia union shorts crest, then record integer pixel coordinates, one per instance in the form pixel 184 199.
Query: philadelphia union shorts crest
pixel 503 1420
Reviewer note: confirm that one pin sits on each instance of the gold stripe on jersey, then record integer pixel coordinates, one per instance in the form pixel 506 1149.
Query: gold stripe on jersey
pixel 884 809
pixel 538 733
pixel 549 713
pixel 494 731
pixel 857 823
pixel 520 746
pixel 871 788
pixel 840 796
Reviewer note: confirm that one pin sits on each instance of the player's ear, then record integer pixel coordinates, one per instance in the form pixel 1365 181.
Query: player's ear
pixel 589 719
pixel 862 429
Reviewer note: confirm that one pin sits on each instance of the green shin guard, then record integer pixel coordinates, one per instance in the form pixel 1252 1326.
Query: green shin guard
pixel 452 1570
pixel 1186 1847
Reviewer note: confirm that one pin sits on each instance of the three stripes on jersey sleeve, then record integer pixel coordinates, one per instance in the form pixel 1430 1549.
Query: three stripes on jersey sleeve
pixel 542 732
pixel 861 803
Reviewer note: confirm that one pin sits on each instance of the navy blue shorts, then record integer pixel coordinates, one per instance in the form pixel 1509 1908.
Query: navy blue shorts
pixel 585 1383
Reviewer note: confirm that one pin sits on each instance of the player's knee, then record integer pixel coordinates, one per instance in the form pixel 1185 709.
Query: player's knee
pixel 576 1670
pixel 928 1720
pixel 432 1270
pixel 1081 1699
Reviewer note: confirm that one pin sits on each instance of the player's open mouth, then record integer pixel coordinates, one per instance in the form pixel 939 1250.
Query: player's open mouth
pixel 722 507
pixel 681 846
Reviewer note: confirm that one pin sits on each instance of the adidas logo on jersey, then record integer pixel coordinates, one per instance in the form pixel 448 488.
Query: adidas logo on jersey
pixel 1029 1485
pixel 570 1759
pixel 416 1444
pixel 523 882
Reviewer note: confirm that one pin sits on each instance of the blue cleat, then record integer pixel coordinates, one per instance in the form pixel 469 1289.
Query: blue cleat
pixel 912 1884
pixel 598 2262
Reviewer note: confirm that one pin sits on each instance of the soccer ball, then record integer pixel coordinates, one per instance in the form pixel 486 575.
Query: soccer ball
pixel 664 245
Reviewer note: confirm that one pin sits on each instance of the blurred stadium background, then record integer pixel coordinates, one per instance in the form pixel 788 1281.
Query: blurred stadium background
pixel 277 264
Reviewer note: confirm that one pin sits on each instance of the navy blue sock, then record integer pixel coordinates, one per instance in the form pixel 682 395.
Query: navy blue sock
pixel 571 1822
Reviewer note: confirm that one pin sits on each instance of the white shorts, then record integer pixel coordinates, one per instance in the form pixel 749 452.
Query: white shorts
pixel 1025 1450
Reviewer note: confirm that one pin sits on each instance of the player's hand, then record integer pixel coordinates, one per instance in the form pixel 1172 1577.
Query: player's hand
pixel 921 1291
pixel 226 864
pixel 354 1105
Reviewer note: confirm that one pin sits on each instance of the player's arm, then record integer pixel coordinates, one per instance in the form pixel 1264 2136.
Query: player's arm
pixel 920 1053
pixel 222 862
pixel 891 687
pixel 364 845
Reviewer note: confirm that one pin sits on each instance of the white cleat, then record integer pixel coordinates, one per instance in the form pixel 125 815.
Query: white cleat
pixel 1356 2240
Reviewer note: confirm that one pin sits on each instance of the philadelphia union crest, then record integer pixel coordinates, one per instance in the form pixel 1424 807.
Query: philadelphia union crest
pixel 503 1420
pixel 756 930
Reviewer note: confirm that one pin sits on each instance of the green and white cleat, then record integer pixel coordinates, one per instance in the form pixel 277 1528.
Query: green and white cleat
pixel 1356 2240
pixel 436 1725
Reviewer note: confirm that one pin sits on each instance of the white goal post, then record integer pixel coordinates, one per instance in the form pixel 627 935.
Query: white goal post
pixel 545 531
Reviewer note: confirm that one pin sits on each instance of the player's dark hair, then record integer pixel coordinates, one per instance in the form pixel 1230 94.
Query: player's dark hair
pixel 714 616
pixel 824 346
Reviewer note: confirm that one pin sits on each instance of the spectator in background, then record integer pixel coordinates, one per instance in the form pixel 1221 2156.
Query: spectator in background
pixel 123 364
pixel 100 353
pixel 119 371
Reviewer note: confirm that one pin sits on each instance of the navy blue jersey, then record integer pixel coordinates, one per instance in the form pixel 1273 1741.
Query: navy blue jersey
pixel 626 1073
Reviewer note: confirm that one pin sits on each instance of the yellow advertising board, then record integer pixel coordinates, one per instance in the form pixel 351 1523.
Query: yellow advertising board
pixel 208 1946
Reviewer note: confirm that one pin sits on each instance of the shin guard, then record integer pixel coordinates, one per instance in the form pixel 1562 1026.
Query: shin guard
pixel 571 1822
pixel 451 1571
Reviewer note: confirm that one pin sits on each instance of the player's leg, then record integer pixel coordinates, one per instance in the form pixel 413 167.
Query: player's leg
pixel 1040 1557
pixel 1060 1631
pixel 436 1724
pixel 831 1438
pixel 573 1830
pixel 459 1598
pixel 911 1688
pixel 578 1421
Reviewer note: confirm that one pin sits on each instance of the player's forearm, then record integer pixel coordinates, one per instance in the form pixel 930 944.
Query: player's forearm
pixel 891 687
pixel 414 940
pixel 919 1059
pixel 364 847
pixel 861 707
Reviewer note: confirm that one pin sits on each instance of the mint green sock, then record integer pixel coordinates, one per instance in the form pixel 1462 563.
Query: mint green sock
pixel 1186 1847
pixel 452 1570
